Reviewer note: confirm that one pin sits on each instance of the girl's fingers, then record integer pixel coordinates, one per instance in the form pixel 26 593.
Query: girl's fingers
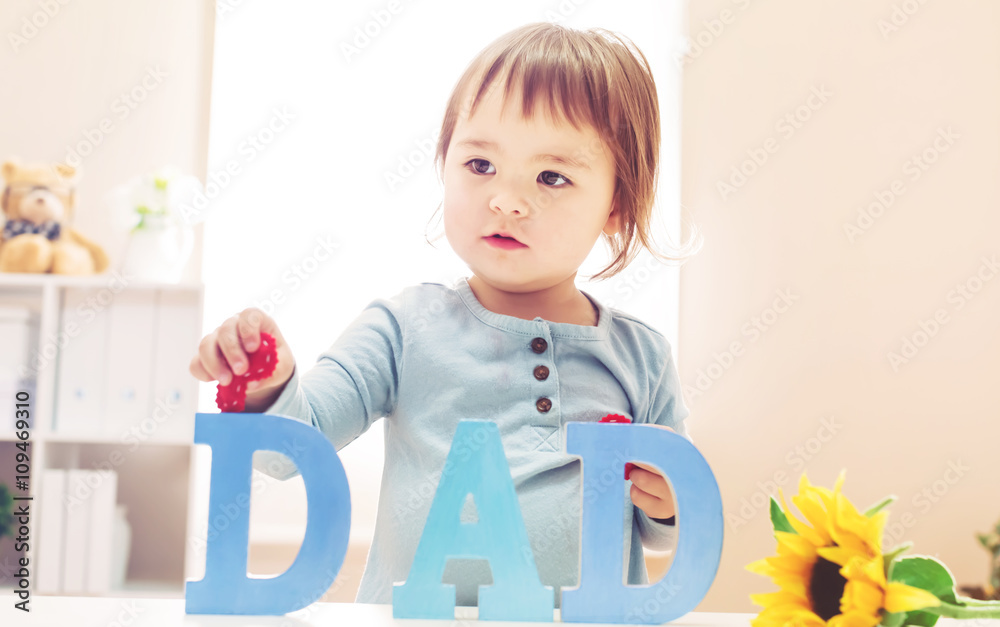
pixel 211 361
pixel 640 499
pixel 651 482
pixel 199 371
pixel 249 327
pixel 653 506
pixel 231 347
pixel 646 467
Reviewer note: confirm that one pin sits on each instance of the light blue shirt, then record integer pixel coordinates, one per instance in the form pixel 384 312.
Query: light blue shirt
pixel 431 356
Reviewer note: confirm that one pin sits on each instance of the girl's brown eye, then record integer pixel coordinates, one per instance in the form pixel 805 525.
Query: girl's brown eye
pixel 544 176
pixel 475 165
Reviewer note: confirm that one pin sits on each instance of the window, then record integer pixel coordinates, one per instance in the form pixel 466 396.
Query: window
pixel 316 106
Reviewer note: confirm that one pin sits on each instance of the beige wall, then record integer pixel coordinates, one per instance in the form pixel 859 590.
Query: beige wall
pixel 119 87
pixel 759 415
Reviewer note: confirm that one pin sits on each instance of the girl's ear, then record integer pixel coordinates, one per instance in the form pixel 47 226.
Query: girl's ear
pixel 614 223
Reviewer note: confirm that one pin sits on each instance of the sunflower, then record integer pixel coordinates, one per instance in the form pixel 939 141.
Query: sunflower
pixel 831 571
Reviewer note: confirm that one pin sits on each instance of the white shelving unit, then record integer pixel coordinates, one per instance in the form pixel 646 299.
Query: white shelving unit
pixel 113 390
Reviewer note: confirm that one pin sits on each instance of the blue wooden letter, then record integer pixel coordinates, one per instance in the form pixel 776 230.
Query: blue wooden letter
pixel 225 588
pixel 500 536
pixel 601 597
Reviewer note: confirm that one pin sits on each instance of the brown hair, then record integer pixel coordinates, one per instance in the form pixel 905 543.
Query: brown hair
pixel 595 77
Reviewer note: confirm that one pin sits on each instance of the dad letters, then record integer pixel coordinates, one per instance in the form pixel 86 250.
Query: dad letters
pixel 499 536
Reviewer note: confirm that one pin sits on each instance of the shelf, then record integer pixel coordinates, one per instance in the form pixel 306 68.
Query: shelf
pixel 23 279
pixel 148 588
pixel 68 438
pixel 144 589
pixel 87 439
pixel 110 358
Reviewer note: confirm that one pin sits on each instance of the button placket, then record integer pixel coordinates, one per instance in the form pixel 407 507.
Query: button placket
pixel 546 430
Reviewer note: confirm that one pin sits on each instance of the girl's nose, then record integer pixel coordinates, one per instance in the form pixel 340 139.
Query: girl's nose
pixel 512 203
pixel 506 207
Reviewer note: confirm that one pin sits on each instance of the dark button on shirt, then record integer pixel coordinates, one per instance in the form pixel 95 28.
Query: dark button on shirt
pixel 541 373
pixel 543 404
pixel 539 344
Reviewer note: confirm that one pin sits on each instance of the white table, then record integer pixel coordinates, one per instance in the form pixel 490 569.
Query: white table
pixel 57 611
pixel 64 611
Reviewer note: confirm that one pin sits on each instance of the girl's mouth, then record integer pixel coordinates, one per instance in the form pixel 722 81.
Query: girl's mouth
pixel 506 243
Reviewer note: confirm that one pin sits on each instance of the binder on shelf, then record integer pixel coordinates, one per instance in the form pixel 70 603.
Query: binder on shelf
pixel 175 391
pixel 77 510
pixel 82 363
pixel 19 339
pixel 103 499
pixel 130 363
pixel 50 530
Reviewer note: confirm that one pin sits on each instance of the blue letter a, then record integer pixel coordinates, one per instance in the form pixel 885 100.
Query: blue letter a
pixel 500 536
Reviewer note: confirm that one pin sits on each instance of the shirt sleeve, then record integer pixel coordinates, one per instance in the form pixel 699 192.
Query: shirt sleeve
pixel 666 408
pixel 352 384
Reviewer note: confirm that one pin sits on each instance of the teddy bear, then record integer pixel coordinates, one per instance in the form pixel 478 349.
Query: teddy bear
pixel 38 202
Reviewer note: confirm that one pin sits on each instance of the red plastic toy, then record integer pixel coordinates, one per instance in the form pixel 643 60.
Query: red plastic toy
pixel 618 418
pixel 263 361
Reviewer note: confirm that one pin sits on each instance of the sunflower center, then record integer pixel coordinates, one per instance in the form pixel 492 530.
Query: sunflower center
pixel 825 588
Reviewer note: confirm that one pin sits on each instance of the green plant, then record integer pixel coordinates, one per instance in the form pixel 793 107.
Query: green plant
pixel 991 542
pixel 6 511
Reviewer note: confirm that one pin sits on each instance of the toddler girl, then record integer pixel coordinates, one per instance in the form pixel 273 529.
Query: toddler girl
pixel 550 139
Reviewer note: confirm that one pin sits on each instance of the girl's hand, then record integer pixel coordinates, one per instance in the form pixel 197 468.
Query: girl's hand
pixel 223 353
pixel 650 491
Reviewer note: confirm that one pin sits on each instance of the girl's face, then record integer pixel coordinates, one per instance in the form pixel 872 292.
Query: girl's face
pixel 544 183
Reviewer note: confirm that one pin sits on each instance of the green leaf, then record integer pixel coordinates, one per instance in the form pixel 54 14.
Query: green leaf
pixel 6 511
pixel 887 558
pixel 874 509
pixel 921 571
pixel 779 519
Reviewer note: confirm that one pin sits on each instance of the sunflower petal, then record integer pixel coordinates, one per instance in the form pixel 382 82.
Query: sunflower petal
pixel 861 596
pixel 866 570
pixel 876 523
pixel 839 555
pixel 773 599
pixel 811 508
pixel 787 616
pixel 900 597
pixel 791 614
pixel 807 532
pixel 761 567
pixel 791 565
pixel 852 530
pixel 793 585
pixel 840 480
pixel 804 485
pixel 875 571
pixel 795 544
pixel 855 619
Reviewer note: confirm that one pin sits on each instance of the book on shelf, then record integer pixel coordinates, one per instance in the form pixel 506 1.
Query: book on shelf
pixel 124 373
pixel 51 495
pixel 76 543
pixel 19 339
